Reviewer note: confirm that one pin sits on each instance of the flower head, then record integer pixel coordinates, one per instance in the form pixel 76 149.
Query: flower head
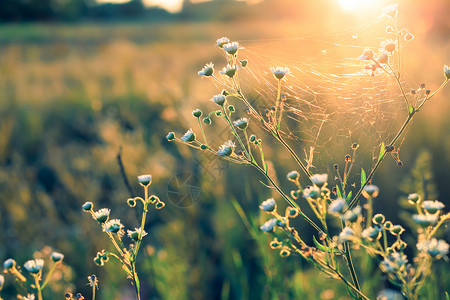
pixel 101 215
pixel 388 45
pixel 231 48
pixel 170 136
pixel 425 220
pixel 353 215
pixel 311 192
pixel 319 179
pixel 370 191
pixel 197 113
pixel 226 149
pixel 229 71
pixel 447 72
pixel 9 264
pixel 337 206
pixel 242 123
pixel 87 206
pixel 432 207
pixel 367 55
pixel 145 180
pixel 113 226
pixel 136 234
pixel 219 99
pixel 414 198
pixel 397 230
pixel 371 233
pixel 189 136
pixel 279 72
pixel 34 265
pixel 269 225
pixel 268 205
pixel 56 256
pixel 346 235
pixel 434 247
pixel 293 176
pixel 383 58
pixel 207 70
pixel 222 41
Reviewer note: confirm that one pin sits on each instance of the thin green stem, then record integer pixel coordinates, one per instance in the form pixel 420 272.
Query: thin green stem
pixel 38 287
pixel 297 159
pixel 236 134
pixel 203 132
pixel 49 274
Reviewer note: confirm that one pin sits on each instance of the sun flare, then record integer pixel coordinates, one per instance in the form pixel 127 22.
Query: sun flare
pixel 357 5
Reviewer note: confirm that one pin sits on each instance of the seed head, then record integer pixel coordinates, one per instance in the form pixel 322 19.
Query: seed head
pixel 391 10
pixel 353 215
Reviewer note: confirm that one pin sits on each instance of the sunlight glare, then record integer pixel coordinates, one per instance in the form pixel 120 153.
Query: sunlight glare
pixel 355 5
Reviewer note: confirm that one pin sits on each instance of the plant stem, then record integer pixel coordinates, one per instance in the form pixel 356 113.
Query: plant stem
pixel 47 278
pixel 38 287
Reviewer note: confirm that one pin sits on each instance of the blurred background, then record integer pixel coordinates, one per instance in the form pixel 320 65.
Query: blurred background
pixel 83 82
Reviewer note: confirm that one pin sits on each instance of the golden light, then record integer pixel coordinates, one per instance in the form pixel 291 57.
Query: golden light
pixel 358 5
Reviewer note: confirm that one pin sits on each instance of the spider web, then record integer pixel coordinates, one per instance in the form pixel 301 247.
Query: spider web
pixel 332 100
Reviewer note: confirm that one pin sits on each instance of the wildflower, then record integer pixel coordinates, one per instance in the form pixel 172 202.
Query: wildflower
pixel 207 70
pixel 145 180
pixel 269 225
pixel 113 226
pixel 285 252
pixel 353 215
pixel 336 206
pixel 388 45
pixel 447 72
pixel 170 136
pixel 34 265
pixel 371 233
pixel 226 149
pixel 101 215
pixel 367 55
pixel 399 259
pixel 378 219
pixel 222 41
pixel 292 212
pixel 93 281
pixel 434 247
pixel 56 256
pixel 136 234
pixel 293 176
pixel 383 57
pixel 387 266
pixel 370 191
pixel 346 235
pixel 397 230
pixel 242 123
pixel 311 192
pixel 425 220
pixel 219 99
pixel 319 179
pixel 87 206
pixel 432 207
pixel 197 113
pixel 231 48
pixel 414 198
pixel 391 10
pixel 268 205
pixel 9 264
pixel 229 71
pixel 279 72
pixel 189 136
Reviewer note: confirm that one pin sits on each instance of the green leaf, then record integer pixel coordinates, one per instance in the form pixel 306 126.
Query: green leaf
pixel 323 248
pixel 363 177
pixel 447 297
pixel 411 109
pixel 349 197
pixel 338 190
pixel 382 151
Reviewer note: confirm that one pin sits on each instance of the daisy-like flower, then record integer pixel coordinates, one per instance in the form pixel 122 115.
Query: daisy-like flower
pixel 207 70
pixel 136 233
pixel 391 10
pixel 292 175
pixel 242 123
pixel 229 71
pixel 219 99
pixel 9 264
pixel 145 179
pixel 56 256
pixel 113 226
pixel 319 179
pixel 447 72
pixel 367 55
pixel 383 58
pixel 311 192
pixel 29 297
pixel 279 72
pixel 434 247
pixel 336 207
pixel 226 149
pixel 346 235
pixel 414 198
pixel 397 230
pixel 34 265
pixel 269 225
pixel 371 233
pixel 101 215
pixel 432 207
pixel 268 205
pixel 189 136
pixel 231 48
pixel 370 191
pixel 353 215
pixel 425 220
pixel 222 41
pixel 388 45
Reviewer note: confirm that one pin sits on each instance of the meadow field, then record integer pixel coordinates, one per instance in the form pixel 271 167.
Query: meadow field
pixel 76 97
